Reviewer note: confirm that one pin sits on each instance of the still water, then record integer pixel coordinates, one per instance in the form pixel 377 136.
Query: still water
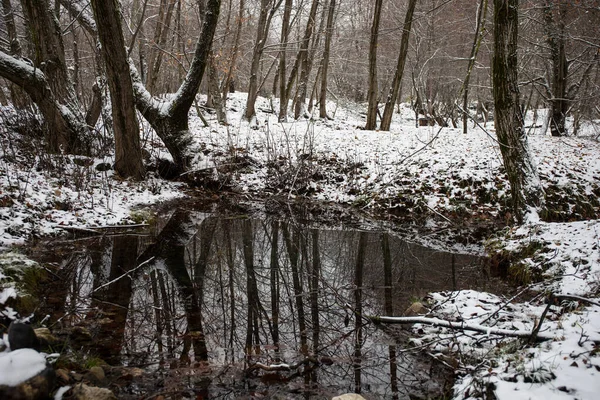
pixel 266 308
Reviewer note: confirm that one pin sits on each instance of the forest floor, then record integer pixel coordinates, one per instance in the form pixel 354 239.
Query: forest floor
pixel 443 187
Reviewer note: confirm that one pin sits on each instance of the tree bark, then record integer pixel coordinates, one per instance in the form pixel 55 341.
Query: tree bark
pixel 169 118
pixel 526 189
pixel 479 32
pixel 285 26
pixel 305 61
pixel 554 15
pixel 373 92
pixel 388 111
pixel 63 122
pixel 46 37
pixel 259 46
pixel 325 61
pixel 229 81
pixel 128 153
pixel 163 25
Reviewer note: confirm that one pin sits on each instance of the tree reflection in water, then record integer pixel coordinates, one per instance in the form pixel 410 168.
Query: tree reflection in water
pixel 251 295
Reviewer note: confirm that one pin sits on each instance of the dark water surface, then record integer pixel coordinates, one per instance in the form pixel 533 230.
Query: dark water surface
pixel 254 308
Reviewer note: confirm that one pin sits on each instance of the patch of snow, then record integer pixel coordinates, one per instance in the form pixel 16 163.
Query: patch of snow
pixel 20 365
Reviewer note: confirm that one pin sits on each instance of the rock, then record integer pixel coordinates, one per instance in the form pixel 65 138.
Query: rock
pixel 77 376
pixel 38 387
pixel 415 309
pixel 349 396
pixel 45 338
pixel 95 375
pixel 101 167
pixel 22 336
pixel 82 391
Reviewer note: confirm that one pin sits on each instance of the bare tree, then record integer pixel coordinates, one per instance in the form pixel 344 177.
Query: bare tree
pixel 479 33
pixel 386 119
pixel 325 60
pixel 267 10
pixel 161 34
pixel 128 153
pixel 285 26
pixel 373 93
pixel 169 118
pixel 47 81
pixel 526 190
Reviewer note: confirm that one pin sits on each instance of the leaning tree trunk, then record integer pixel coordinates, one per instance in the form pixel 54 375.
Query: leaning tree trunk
pixel 526 191
pixel 128 153
pixel 19 98
pixel 373 90
pixel 388 111
pixel 50 60
pixel 169 119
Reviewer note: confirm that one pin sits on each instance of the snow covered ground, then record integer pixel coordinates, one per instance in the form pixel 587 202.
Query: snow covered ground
pixel 427 173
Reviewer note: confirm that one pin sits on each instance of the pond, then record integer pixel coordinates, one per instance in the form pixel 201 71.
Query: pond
pixel 225 307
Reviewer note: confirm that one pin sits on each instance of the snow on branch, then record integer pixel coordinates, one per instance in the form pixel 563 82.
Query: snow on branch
pixel 459 326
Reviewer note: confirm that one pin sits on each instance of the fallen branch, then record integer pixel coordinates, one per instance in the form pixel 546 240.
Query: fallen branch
pixel 97 230
pixel 76 229
pixel 576 298
pixel 283 366
pixel 459 326
pixel 125 274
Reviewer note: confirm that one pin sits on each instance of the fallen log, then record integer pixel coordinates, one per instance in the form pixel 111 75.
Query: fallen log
pixel 459 326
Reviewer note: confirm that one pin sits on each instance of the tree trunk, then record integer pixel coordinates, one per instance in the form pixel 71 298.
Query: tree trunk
pixel 479 33
pixel 285 26
pixel 303 52
pixel 229 81
pixel 555 34
pixel 325 61
pixel 62 122
pixel 19 98
pixel 170 119
pixel 259 45
pixel 305 63
pixel 46 37
pixel 526 191
pixel 373 90
pixel 128 153
pixel 386 119
pixel 163 25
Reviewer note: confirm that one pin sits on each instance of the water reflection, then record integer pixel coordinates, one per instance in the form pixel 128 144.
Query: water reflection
pixel 250 295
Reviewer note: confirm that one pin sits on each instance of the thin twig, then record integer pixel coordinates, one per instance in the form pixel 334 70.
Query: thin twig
pixel 125 274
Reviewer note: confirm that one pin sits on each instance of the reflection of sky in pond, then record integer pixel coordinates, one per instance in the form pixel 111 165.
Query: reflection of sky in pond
pixel 235 292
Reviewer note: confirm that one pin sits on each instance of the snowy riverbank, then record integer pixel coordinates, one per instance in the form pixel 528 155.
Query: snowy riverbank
pixel 439 176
